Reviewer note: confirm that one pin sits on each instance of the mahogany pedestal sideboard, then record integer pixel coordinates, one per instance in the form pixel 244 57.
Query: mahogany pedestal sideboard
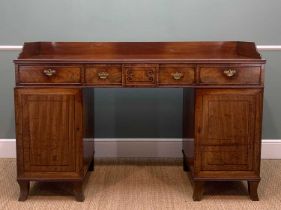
pixel 223 86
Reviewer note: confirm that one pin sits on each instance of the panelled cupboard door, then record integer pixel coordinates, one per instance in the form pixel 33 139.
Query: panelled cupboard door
pixel 228 130
pixel 49 131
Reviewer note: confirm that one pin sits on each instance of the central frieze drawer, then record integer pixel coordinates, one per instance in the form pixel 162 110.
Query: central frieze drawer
pixel 176 74
pixel 45 74
pixel 230 75
pixel 104 74
pixel 140 74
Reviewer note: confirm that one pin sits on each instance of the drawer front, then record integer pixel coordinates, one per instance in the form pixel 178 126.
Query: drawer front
pixel 176 74
pixel 49 74
pixel 103 74
pixel 140 74
pixel 230 75
pixel 226 158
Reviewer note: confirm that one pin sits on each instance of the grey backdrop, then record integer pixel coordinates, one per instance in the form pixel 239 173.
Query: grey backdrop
pixel 140 112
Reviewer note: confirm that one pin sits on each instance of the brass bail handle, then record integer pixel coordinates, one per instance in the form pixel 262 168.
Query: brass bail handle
pixel 177 75
pixel 103 75
pixel 49 72
pixel 229 72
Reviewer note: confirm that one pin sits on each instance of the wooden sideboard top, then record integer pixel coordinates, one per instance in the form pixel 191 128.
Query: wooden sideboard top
pixel 199 52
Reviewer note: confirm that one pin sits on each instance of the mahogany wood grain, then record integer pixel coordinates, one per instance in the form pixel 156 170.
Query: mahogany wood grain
pixel 144 75
pixel 176 74
pixel 225 123
pixel 49 135
pixel 222 106
pixel 136 51
pixel 103 74
pixel 61 74
pixel 48 120
pixel 226 158
pixel 215 75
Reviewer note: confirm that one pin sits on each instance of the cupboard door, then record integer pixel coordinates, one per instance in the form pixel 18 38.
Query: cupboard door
pixel 228 129
pixel 49 130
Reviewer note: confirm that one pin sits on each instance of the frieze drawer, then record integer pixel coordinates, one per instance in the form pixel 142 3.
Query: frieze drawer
pixel 176 74
pixel 45 74
pixel 230 75
pixel 104 74
pixel 140 74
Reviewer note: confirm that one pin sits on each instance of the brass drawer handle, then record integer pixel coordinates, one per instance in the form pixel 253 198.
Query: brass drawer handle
pixel 177 75
pixel 103 75
pixel 229 72
pixel 49 72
